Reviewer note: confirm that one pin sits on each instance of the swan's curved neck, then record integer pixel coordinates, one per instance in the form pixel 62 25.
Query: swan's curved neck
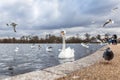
pixel 64 45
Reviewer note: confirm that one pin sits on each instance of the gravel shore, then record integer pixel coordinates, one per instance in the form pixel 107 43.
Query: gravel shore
pixel 100 70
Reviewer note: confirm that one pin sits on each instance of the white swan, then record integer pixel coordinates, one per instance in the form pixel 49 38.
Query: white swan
pixel 84 45
pixel 64 60
pixel 65 52
pixel 49 49
pixel 16 49
pixel 32 46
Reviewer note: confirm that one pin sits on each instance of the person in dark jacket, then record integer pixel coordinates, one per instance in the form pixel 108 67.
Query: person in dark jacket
pixel 114 40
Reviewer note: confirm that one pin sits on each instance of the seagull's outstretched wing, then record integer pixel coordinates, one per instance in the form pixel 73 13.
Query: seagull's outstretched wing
pixel 105 24
pixel 115 8
pixel 14 29
pixel 14 26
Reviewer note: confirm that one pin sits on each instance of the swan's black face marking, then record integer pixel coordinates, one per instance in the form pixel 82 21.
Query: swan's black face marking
pixel 63 32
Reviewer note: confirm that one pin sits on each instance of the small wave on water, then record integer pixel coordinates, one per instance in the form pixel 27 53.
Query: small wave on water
pixel 28 59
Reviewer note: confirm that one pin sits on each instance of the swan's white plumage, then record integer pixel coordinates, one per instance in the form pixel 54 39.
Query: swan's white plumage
pixel 64 60
pixel 49 49
pixel 32 46
pixel 16 49
pixel 65 52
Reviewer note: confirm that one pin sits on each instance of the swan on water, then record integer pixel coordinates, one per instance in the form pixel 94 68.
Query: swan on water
pixel 32 46
pixel 65 52
pixel 49 49
pixel 84 45
pixel 16 49
pixel 64 60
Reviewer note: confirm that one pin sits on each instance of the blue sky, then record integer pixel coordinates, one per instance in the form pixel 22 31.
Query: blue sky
pixel 38 17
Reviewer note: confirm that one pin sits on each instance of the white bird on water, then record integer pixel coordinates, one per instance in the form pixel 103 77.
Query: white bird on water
pixel 16 49
pixel 84 45
pixel 32 46
pixel 65 52
pixel 49 49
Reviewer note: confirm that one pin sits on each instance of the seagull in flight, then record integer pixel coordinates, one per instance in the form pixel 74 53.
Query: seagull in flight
pixel 115 8
pixel 13 25
pixel 107 22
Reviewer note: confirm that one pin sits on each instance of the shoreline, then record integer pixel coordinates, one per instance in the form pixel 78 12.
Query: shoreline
pixel 61 70
pixel 101 70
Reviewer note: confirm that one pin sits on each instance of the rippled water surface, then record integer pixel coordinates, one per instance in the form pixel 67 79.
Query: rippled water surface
pixel 28 59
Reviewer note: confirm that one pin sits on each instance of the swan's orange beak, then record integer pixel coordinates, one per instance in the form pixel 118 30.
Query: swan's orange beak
pixel 62 32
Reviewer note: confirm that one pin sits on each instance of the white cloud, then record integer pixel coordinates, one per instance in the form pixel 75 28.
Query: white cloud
pixel 53 15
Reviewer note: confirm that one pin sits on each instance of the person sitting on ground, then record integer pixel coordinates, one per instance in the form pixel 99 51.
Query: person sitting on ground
pixel 114 41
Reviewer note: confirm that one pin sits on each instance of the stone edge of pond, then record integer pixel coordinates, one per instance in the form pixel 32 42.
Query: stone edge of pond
pixel 61 70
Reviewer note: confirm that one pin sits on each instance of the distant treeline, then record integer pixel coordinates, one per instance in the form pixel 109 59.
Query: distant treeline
pixel 54 39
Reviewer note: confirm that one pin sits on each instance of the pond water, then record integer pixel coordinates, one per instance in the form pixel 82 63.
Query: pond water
pixel 28 58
